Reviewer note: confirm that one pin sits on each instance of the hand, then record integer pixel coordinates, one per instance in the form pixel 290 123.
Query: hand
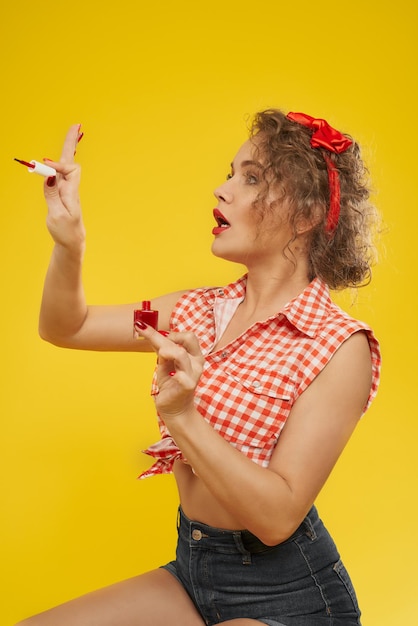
pixel 180 365
pixel 64 218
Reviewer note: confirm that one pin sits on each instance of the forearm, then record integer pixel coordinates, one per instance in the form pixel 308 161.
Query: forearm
pixel 260 499
pixel 63 307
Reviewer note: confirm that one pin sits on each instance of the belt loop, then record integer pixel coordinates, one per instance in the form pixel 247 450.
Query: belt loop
pixel 246 555
pixel 309 529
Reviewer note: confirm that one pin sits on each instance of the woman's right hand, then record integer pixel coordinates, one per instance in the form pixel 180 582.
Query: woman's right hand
pixel 64 220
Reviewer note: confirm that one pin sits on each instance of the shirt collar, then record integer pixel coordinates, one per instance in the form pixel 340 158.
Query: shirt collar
pixel 310 309
pixel 307 312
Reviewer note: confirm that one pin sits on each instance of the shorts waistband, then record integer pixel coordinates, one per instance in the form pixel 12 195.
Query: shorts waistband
pixel 198 533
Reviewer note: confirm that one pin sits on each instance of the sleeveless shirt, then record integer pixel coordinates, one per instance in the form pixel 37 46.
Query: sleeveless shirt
pixel 247 388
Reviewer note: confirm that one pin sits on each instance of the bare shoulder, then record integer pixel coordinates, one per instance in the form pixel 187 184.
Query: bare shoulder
pixel 341 389
pixel 350 369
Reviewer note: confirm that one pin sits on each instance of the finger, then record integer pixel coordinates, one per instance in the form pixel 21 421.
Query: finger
pixel 180 372
pixel 70 143
pixel 172 356
pixel 155 337
pixel 61 191
pixel 65 169
pixel 68 172
pixel 188 341
pixel 177 361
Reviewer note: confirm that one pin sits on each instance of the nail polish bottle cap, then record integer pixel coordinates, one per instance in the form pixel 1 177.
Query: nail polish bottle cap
pixel 146 305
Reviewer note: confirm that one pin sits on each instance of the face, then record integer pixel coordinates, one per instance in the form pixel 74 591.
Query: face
pixel 240 236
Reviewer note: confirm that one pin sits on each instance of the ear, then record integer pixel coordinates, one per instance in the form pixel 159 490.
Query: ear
pixel 306 223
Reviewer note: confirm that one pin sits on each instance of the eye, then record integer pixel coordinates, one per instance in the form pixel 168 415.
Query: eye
pixel 251 178
pixel 229 176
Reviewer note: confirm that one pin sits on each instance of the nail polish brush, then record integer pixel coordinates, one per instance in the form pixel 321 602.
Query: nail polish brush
pixel 35 167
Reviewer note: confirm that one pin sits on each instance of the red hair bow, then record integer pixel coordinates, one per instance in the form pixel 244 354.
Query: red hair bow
pixel 326 137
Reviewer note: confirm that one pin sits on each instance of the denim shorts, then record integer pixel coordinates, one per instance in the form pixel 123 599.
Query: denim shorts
pixel 232 574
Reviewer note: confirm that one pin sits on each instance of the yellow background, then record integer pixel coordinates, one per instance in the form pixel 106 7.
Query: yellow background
pixel 164 91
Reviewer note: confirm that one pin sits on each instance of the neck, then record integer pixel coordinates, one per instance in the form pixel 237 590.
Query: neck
pixel 269 291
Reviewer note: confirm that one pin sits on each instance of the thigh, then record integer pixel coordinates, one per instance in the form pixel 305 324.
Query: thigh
pixel 153 599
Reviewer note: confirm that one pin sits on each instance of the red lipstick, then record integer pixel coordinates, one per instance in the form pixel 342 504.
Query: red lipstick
pixel 223 223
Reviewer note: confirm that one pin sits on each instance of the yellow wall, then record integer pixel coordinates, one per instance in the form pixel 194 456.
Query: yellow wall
pixel 163 91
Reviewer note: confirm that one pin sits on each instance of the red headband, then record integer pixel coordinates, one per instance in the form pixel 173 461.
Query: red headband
pixel 326 137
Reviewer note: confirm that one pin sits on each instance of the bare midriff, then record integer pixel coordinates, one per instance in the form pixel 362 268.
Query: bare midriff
pixel 198 503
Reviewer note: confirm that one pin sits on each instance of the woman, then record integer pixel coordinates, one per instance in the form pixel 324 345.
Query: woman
pixel 258 386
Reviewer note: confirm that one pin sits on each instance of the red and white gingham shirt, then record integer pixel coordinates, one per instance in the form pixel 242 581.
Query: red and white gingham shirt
pixel 248 388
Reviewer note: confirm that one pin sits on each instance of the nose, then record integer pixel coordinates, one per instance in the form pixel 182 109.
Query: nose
pixel 224 192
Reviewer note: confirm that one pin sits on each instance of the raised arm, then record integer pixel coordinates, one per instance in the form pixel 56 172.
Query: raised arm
pixel 65 318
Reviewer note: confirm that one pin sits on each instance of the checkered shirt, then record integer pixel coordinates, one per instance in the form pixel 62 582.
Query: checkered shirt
pixel 248 388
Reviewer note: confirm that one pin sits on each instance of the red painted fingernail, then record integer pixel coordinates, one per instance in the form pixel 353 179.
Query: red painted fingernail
pixel 172 373
pixel 79 138
pixel 140 324
pixel 51 180
pixel 164 333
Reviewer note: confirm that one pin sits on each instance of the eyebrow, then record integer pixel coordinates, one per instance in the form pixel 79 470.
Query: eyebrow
pixel 248 163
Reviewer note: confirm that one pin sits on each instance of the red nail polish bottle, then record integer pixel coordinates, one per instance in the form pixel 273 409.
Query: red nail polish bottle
pixel 145 315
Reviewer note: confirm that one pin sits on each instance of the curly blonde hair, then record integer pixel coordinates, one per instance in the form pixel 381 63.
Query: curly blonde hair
pixel 345 258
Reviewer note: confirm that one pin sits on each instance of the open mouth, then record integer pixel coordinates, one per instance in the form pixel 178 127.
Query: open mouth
pixel 220 219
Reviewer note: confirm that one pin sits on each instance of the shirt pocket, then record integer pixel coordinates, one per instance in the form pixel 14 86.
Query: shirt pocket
pixel 263 400
pixel 263 382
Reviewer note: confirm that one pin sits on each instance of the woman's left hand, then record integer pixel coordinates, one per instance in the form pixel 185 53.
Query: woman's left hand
pixel 180 365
